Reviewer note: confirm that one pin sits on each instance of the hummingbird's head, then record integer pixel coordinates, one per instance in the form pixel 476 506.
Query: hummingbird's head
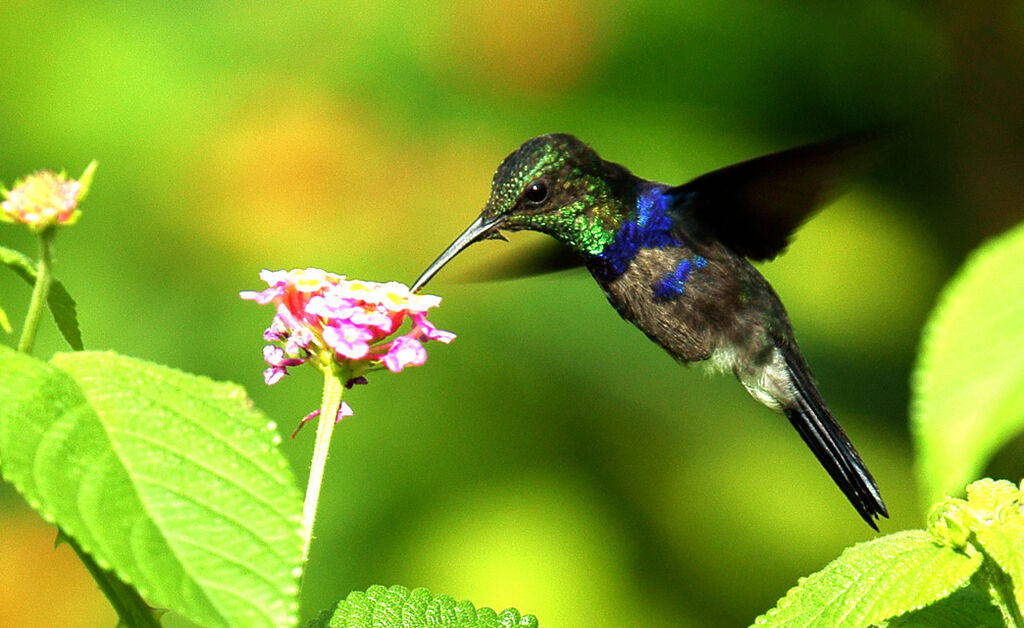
pixel 540 177
pixel 555 184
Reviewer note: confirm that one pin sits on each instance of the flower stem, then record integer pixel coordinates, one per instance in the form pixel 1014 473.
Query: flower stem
pixel 334 386
pixel 40 292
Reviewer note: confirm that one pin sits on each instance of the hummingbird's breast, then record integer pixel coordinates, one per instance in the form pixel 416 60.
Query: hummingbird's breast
pixel 696 301
pixel 682 300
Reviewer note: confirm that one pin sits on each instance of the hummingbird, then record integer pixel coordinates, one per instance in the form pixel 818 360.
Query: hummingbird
pixel 676 262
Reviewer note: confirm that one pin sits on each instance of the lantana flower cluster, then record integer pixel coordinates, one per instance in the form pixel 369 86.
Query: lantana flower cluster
pixel 44 199
pixel 338 323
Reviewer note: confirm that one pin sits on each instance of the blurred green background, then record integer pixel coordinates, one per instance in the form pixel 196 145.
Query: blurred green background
pixel 551 458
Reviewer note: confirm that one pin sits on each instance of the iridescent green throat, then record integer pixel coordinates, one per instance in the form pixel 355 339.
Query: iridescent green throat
pixel 589 223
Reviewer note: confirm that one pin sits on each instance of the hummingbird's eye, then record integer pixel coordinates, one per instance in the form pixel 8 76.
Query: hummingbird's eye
pixel 536 193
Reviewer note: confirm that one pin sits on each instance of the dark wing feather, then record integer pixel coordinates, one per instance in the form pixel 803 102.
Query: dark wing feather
pixel 754 206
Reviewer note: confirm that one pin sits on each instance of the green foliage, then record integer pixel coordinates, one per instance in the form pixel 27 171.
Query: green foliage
pixel 869 582
pixel 969 606
pixel 62 306
pixel 968 568
pixel 969 380
pixel 398 607
pixel 357 136
pixel 997 521
pixel 877 581
pixel 1005 545
pixel 171 481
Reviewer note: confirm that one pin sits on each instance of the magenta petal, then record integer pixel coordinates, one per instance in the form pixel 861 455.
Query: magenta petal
pixel 372 319
pixel 347 339
pixel 330 306
pixel 344 411
pixel 264 297
pixel 430 332
pixel 404 351
pixel 273 334
pixel 439 335
pixel 318 306
pixel 274 374
pixel 298 342
pixel 275 356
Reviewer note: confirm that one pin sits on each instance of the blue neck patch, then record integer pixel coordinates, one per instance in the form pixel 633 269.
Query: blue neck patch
pixel 648 227
pixel 672 284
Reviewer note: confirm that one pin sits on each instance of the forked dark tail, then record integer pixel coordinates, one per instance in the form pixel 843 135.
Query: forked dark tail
pixel 830 445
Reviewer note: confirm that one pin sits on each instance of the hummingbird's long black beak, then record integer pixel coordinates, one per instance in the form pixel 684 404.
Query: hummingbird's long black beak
pixel 483 228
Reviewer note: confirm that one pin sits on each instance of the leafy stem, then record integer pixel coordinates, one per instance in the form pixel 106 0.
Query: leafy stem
pixel 40 291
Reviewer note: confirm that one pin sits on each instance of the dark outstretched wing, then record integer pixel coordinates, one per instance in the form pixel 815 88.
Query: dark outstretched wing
pixel 754 206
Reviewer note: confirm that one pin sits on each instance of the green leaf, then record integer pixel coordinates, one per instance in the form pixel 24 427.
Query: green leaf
pixel 1005 544
pixel 169 479
pixel 969 606
pixel 398 607
pixel 131 609
pixel 875 581
pixel 62 306
pixel 999 529
pixel 968 385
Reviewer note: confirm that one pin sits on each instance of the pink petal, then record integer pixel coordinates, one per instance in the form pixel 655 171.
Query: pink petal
pixel 274 374
pixel 300 340
pixel 404 351
pixel 344 411
pixel 329 305
pixel 275 356
pixel 430 332
pixel 264 297
pixel 347 339
pixel 372 318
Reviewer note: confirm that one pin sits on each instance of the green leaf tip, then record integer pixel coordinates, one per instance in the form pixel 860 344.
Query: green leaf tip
pixel 968 383
pixel 85 181
pixel 399 607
